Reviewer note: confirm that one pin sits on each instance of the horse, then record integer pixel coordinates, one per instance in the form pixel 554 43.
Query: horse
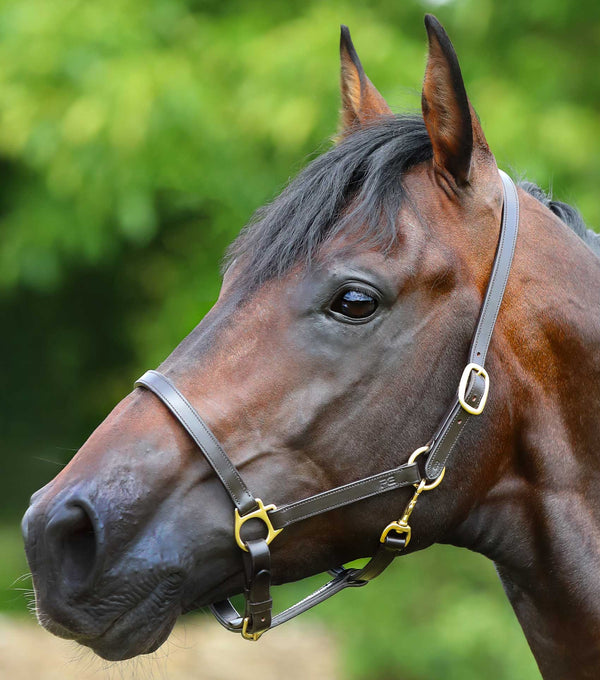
pixel 331 375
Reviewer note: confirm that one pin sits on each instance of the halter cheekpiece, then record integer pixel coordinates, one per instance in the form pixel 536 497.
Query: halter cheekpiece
pixel 470 401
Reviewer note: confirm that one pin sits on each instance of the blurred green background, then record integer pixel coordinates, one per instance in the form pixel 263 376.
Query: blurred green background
pixel 138 136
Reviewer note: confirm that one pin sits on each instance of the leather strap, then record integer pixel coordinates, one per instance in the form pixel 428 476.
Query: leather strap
pixel 257 567
pixel 444 440
pixel 509 229
pixel 257 617
pixel 206 441
pixel 190 419
pixel 227 615
pixel 405 475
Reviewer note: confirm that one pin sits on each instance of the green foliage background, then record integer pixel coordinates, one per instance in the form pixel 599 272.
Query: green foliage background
pixel 138 136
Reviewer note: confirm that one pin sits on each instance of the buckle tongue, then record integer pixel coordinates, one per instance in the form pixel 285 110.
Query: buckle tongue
pixel 260 514
pixel 462 388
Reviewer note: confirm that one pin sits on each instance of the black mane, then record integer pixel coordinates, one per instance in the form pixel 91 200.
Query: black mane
pixel 567 213
pixel 358 182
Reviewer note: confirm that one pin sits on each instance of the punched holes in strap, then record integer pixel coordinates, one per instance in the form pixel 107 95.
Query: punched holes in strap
pixel 474 386
pixel 474 395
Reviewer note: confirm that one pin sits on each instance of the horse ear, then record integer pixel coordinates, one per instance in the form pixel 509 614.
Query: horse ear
pixel 361 102
pixel 450 119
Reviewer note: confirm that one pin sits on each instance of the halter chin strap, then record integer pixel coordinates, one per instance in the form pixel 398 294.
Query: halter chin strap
pixel 470 401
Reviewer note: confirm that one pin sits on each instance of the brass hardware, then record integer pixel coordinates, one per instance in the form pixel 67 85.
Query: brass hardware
pixel 414 455
pixel 251 636
pixel 402 526
pixel 462 388
pixel 399 529
pixel 260 514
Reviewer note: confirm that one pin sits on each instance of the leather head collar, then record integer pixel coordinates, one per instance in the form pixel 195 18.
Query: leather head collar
pixel 470 401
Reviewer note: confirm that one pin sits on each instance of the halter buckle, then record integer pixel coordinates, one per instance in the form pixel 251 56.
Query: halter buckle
pixel 261 514
pixel 251 636
pixel 462 388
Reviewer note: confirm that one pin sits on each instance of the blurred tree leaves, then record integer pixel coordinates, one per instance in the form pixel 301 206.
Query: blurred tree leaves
pixel 138 136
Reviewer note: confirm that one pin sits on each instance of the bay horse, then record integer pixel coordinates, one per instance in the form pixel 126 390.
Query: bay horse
pixel 349 309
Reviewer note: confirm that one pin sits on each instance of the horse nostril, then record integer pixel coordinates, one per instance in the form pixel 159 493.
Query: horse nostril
pixel 72 537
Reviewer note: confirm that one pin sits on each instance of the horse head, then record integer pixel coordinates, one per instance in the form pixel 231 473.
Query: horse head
pixel 337 342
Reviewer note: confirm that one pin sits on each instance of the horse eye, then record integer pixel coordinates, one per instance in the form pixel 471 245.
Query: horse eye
pixel 354 304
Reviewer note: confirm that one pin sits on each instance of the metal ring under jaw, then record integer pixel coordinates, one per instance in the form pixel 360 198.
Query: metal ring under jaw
pixel 462 388
pixel 261 514
pixel 437 481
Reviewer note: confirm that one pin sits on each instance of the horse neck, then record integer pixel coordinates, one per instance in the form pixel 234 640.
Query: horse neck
pixel 540 519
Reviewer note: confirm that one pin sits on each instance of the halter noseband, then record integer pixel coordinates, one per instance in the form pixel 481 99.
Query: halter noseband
pixel 470 401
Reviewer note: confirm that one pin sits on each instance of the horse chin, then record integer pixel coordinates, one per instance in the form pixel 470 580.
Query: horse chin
pixel 139 628
pixel 132 635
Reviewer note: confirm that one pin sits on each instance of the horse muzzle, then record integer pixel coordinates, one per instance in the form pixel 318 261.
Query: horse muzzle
pixel 121 610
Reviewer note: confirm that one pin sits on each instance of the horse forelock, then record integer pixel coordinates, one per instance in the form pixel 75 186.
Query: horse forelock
pixel 355 185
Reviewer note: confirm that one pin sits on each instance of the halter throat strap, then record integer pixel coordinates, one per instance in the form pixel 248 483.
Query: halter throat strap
pixel 470 401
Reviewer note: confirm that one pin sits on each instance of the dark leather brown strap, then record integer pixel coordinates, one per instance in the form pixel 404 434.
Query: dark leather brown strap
pixel 189 418
pixel 405 475
pixel 509 229
pixel 470 400
pixel 227 615
pixel 444 440
pixel 257 567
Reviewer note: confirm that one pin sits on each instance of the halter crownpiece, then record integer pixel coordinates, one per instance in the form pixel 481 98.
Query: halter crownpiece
pixel 470 401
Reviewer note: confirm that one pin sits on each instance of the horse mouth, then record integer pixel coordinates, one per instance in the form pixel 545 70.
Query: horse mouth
pixel 141 628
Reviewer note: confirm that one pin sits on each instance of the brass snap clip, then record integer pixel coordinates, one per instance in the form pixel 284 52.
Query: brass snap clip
pixel 402 526
pixel 262 514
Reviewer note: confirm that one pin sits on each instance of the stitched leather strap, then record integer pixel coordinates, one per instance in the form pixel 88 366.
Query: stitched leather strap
pixel 444 440
pixel 405 475
pixel 227 615
pixel 257 567
pixel 187 415
pixel 257 617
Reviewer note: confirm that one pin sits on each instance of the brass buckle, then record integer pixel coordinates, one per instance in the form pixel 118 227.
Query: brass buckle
pixel 261 514
pixel 462 388
pixel 251 636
